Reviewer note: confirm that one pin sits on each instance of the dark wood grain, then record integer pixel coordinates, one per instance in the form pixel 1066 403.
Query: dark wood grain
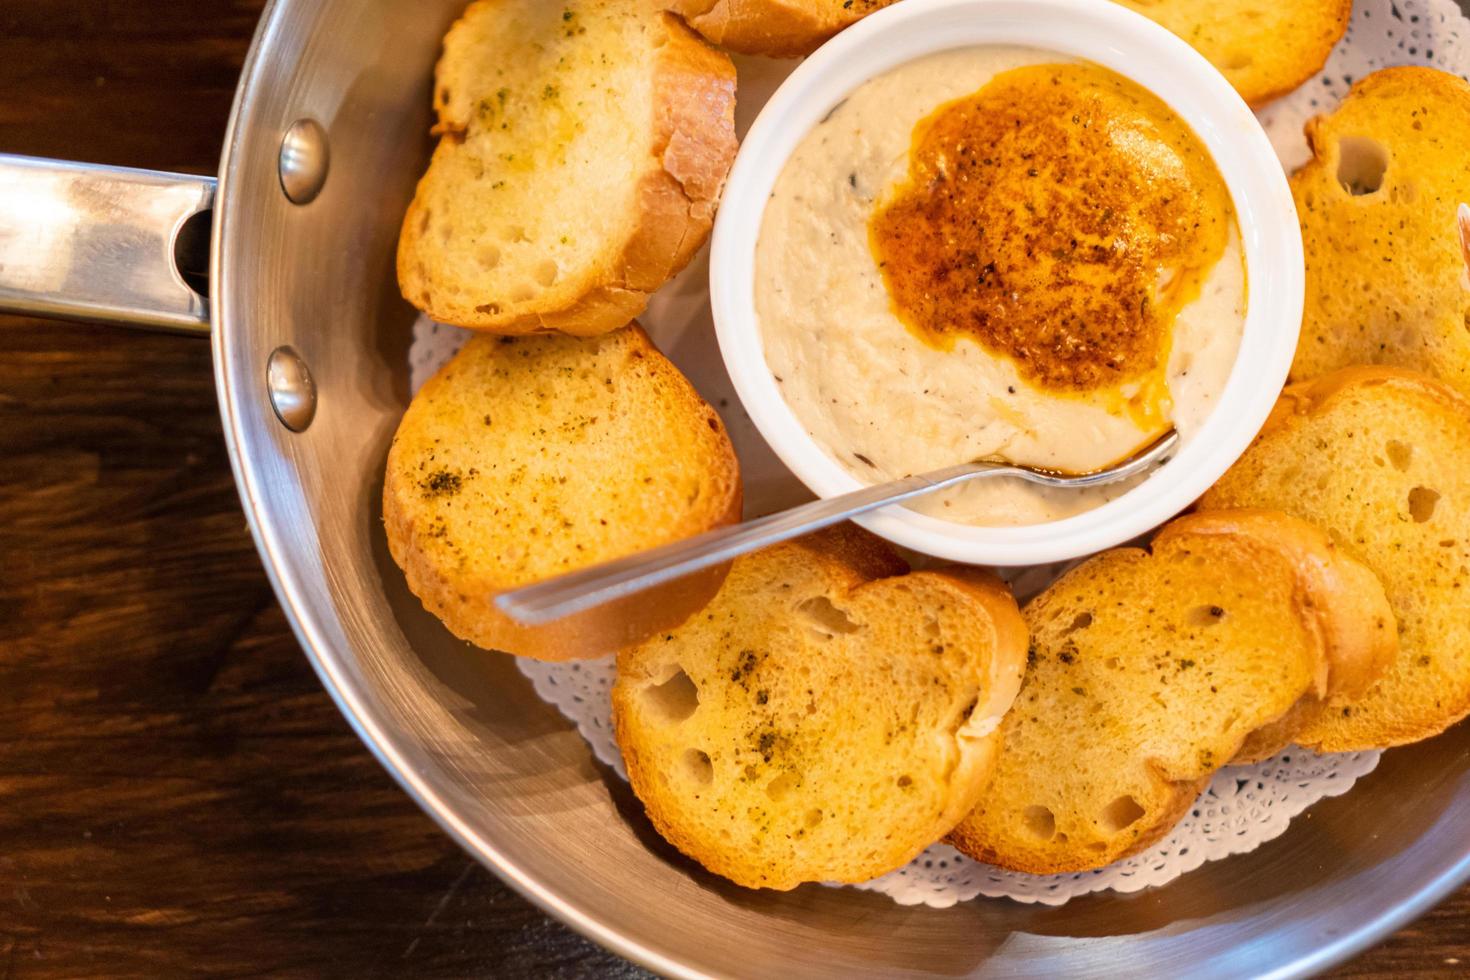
pixel 177 793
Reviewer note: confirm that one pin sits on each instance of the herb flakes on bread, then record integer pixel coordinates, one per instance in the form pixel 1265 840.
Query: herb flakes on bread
pixel 528 457
pixel 584 145
pixel 1387 279
pixel 1380 458
pixel 826 717
pixel 1152 669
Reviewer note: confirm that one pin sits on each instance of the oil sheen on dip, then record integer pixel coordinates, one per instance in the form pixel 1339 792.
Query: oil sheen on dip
pixel 996 251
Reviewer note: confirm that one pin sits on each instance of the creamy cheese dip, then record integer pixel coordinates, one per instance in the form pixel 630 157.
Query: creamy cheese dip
pixel 887 397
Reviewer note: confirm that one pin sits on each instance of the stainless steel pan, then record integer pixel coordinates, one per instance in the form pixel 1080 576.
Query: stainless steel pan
pixel 302 303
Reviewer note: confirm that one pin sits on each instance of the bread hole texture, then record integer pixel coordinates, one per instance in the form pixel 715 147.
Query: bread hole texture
pixel 1422 502
pixel 674 700
pixel 1121 814
pixel 1400 454
pixel 780 788
pixel 1040 822
pixel 1361 164
pixel 825 618
pixel 698 767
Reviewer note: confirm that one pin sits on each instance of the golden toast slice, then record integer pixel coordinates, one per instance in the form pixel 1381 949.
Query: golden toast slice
pixel 583 148
pixel 826 717
pixel 1380 458
pixel 1265 48
pixel 1341 600
pixel 1151 670
pixel 1387 279
pixel 776 28
pixel 527 457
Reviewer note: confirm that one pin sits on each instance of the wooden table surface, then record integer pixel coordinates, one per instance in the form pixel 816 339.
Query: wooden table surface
pixel 177 793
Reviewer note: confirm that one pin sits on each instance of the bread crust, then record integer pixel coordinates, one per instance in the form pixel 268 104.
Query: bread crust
pixel 1265 49
pixel 1010 636
pixel 1316 395
pixel 774 28
pixel 691 148
pixel 466 605
pixel 971 842
pixel 1370 718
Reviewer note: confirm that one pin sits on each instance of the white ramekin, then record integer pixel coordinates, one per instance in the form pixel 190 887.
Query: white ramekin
pixel 1109 35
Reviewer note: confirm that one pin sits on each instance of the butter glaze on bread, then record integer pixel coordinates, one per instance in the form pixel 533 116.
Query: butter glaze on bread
pixel 1380 458
pixel 776 28
pixel 826 717
pixel 584 147
pixel 1151 670
pixel 525 458
pixel 1265 48
pixel 1386 274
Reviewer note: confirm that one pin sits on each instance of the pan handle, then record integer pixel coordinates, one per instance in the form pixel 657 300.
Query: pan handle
pixel 85 242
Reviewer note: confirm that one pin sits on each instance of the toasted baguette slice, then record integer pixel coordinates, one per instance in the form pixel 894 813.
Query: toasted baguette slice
pixel 524 458
pixel 826 717
pixel 1380 458
pixel 584 146
pixel 1340 599
pixel 1265 48
pixel 1148 672
pixel 1386 272
pixel 776 28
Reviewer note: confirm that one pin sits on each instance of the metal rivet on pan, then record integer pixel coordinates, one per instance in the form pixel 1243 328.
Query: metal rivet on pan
pixel 304 159
pixel 293 393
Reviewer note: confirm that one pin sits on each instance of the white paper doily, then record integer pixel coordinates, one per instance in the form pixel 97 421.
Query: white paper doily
pixel 1244 806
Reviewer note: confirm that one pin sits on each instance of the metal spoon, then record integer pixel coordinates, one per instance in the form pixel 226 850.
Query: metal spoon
pixel 564 595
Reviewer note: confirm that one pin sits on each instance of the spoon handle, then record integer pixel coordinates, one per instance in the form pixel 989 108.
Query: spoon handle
pixel 534 605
